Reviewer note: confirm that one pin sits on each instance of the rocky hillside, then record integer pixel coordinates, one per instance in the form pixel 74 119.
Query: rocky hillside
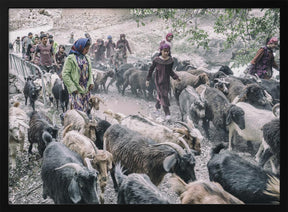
pixel 100 23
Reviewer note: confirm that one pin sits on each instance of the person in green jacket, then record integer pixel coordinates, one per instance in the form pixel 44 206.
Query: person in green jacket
pixel 77 75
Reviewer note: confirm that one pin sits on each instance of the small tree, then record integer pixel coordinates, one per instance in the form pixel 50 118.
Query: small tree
pixel 249 26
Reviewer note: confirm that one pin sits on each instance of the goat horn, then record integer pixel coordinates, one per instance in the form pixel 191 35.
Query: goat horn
pixel 54 118
pixel 88 163
pixel 75 166
pixel 184 124
pixel 184 143
pixel 94 146
pixel 275 108
pixel 178 148
pixel 202 95
pixel 268 97
pixel 84 116
pixel 99 99
pixel 104 144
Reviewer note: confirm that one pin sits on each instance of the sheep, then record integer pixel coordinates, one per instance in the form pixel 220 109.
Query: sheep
pixel 60 92
pixel 93 104
pixel 137 189
pixel 202 192
pixel 247 121
pixel 160 133
pixel 216 108
pixel 136 80
pixel 187 79
pixel 118 76
pixel 255 95
pixel 191 105
pixel 100 79
pixel 222 72
pixel 272 87
pixel 65 178
pixel 100 129
pixel 80 123
pixel 38 82
pixel 31 91
pixel 246 181
pixel 222 85
pixel 40 123
pixel 140 154
pixel 17 131
pixel 271 145
pixel 234 89
pixel 101 160
pixel 50 84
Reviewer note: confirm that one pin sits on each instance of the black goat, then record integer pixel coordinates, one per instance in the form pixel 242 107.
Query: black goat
pixel 137 189
pixel 65 178
pixel 239 177
pixel 60 92
pixel 31 91
pixel 216 109
pixel 271 136
pixel 100 129
pixel 140 154
pixel 40 123
pixel 191 105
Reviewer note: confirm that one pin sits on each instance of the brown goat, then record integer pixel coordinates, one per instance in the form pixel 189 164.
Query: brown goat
pixel 188 79
pixel 80 123
pixel 101 160
pixel 202 192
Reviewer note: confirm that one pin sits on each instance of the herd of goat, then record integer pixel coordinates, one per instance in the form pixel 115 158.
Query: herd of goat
pixel 138 151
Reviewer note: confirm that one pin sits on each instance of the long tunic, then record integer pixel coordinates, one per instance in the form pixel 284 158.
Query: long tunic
pixel 80 101
pixel 162 78
pixel 263 63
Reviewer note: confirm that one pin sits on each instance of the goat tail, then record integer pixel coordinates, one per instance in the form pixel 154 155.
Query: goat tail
pixel 67 129
pixel 16 104
pixel 218 148
pixel 119 174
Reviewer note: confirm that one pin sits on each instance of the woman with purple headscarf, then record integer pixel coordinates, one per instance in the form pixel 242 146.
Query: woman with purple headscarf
pixel 263 62
pixel 77 75
pixel 163 64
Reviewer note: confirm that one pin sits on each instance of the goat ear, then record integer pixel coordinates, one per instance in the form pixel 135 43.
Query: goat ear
pixel 169 162
pixel 228 117
pixel 74 191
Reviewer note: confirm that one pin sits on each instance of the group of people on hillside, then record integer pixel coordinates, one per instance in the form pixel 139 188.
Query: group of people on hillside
pixel 116 54
pixel 76 68
pixel 42 50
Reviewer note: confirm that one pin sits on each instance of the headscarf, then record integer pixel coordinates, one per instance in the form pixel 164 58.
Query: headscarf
pixel 164 46
pixel 272 40
pixel 169 34
pixel 78 46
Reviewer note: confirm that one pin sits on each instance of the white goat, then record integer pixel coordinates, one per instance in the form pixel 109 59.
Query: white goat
pixel 17 131
pixel 254 120
pixel 80 123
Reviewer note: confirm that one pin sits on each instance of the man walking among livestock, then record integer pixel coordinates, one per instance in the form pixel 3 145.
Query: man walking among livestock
pixel 47 57
pixel 25 42
pixel 125 45
pixel 110 49
pixel 163 64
